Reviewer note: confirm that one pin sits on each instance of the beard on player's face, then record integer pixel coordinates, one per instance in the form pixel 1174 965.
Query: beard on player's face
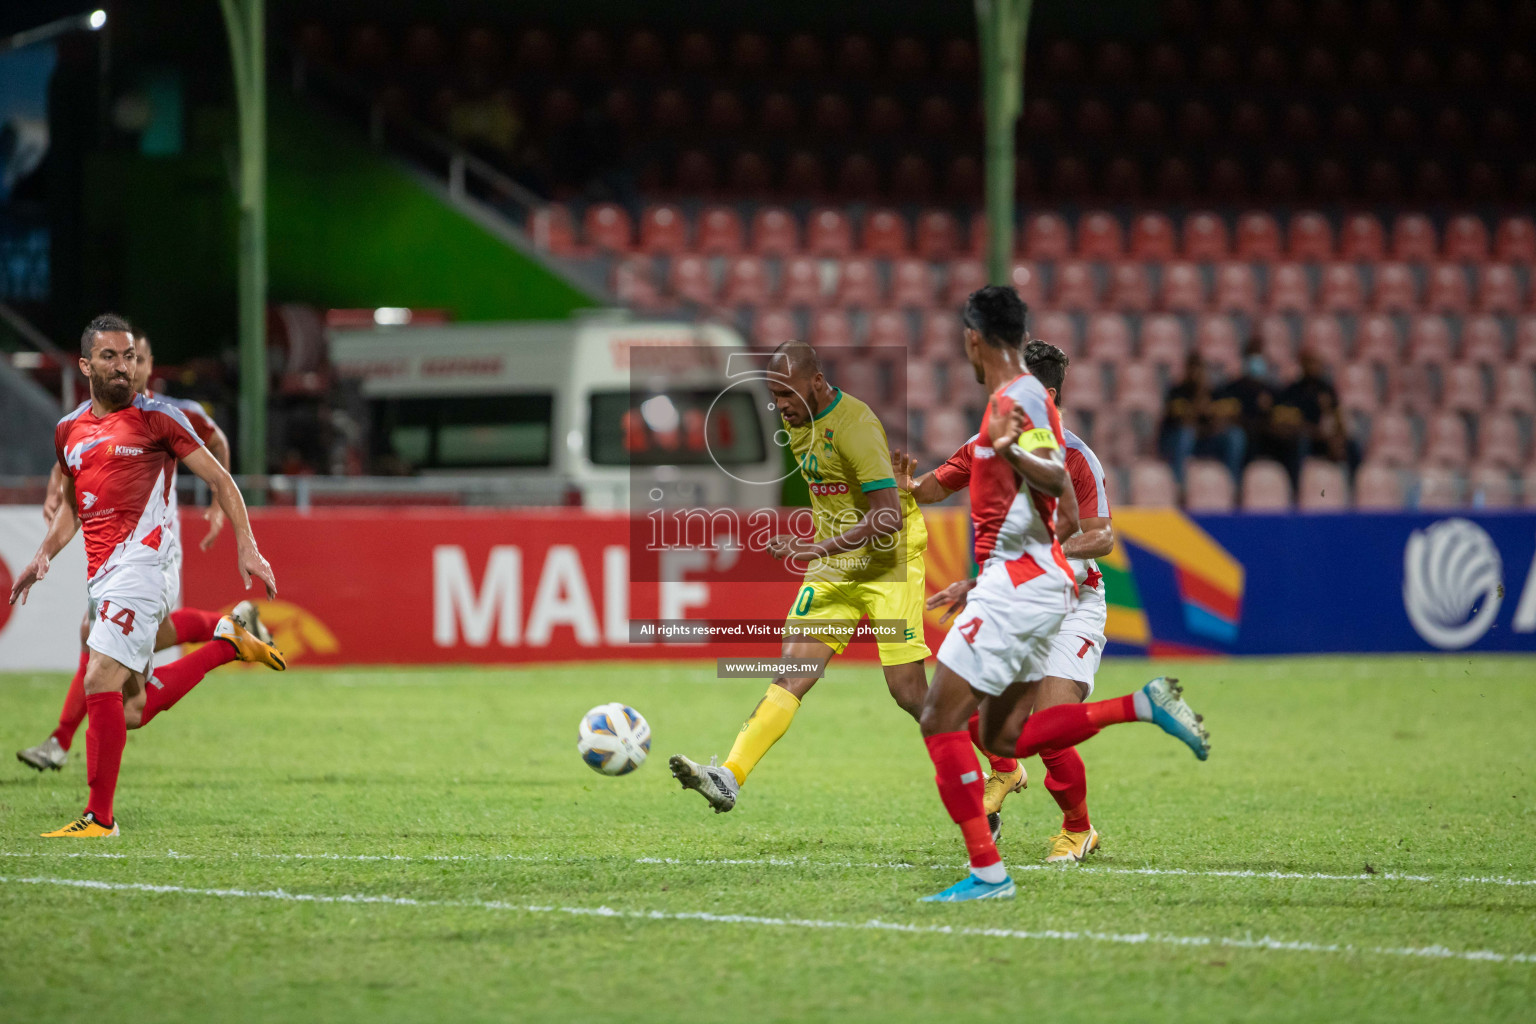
pixel 112 384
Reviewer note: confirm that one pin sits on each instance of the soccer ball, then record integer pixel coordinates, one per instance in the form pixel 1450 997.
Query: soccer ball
pixel 613 739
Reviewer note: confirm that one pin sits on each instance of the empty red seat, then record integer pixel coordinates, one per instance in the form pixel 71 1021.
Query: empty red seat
pixel 1357 388
pixel 1205 237
pixel 885 233
pixel 1466 239
pixel 634 283
pixel 965 276
pixel 1439 488
pixel 912 284
pixel 800 281
pixel 746 282
pixel 1138 388
pixel 1322 335
pixel 1362 239
pixel 1162 341
pixel 1183 288
pixel 1445 440
pixel 1462 389
pixel 1341 290
pixel 720 232
pixel 690 280
pixel 1498 289
pixel 1322 487
pixel 1413 238
pixel 1391 441
pixel 1028 282
pixel 1047 237
pixel 1085 393
pixel 945 431
pixel 1258 237
pixel 1525 340
pixel 1447 291
pixel 1412 388
pixel 1482 341
pixel 773 327
pixel 1075 287
pixel 923 391
pixel 1429 340
pixel 1237 289
pixel 938 235
pixel 608 228
pixel 858 284
pixel 553 230
pixel 1277 346
pixel 663 230
pixel 1376 339
pixel 889 328
pixel 1130 289
pixel 1216 341
pixel 1395 290
pixel 978 235
pixel 1208 487
pixel 1108 338
pixel 1311 237
pixel 1499 442
pixel 1378 488
pixel 828 232
pixel 1490 487
pixel 1152 238
pixel 831 328
pixel 1099 236
pixel 1152 485
pixel 1056 328
pixel 1515 390
pixel 939 334
pixel 1515 240
pixel 1290 289
pixel 1266 487
pixel 775 232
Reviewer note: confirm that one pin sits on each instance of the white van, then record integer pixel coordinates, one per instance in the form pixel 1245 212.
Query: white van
pixel 602 408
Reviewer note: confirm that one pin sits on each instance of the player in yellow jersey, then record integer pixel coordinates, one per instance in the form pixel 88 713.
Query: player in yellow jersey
pixel 866 561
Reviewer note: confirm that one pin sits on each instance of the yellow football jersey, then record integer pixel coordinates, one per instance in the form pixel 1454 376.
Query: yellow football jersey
pixel 843 456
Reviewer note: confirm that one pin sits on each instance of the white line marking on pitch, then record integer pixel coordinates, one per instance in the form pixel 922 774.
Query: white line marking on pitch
pixel 1304 876
pixel 1265 943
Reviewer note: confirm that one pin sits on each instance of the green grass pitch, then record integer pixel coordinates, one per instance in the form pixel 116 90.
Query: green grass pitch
pixel 1362 825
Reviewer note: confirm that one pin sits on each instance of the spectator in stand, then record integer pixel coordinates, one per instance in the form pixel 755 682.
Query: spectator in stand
pixel 1191 426
pixel 1308 419
pixel 1247 402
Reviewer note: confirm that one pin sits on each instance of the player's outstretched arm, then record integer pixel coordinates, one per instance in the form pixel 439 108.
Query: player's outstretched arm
pixel 218 443
pixel 1095 539
pixel 227 495
pixel 1035 453
pixel 926 489
pixel 882 520
pixel 60 531
pixel 53 497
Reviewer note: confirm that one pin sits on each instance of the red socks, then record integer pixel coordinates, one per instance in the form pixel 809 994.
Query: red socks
pixel 960 788
pixel 193 625
pixel 1000 765
pixel 73 712
pixel 105 737
pixel 1067 725
pixel 1067 779
pixel 169 684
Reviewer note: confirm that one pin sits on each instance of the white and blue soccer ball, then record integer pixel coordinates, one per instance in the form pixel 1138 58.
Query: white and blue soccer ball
pixel 614 739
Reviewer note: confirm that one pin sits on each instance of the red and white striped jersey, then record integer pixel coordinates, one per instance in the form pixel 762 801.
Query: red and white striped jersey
pixel 1092 500
pixel 122 465
pixel 203 426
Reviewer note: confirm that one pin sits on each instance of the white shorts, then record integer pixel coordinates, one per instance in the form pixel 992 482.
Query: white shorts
pixel 171 566
pixel 128 604
pixel 1004 633
pixel 1078 647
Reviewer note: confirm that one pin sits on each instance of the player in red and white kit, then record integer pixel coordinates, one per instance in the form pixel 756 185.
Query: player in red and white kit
pixel 183 625
pixel 1000 644
pixel 1078 646
pixel 117 451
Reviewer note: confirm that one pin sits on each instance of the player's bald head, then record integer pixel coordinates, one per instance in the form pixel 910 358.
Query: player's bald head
pixel 795 360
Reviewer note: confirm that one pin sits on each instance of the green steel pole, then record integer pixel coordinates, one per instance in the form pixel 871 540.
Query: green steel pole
pixel 1003 25
pixel 245 22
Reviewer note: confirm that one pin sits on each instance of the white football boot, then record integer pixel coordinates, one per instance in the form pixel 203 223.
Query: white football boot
pixel 248 615
pixel 715 784
pixel 47 754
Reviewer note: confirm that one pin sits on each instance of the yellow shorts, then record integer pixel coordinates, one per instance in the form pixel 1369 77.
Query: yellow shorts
pixel 847 603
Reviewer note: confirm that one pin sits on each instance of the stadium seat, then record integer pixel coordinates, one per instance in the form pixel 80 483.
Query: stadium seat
pixel 1276 343
pixel 696 52
pixel 1028 282
pixel 1391 439
pixel 1162 341
pixel 1108 338
pixel 689 279
pixel 1152 238
pixel 965 276
pixel 923 391
pixel 553 230
pixel 1341 290
pixel 1445 441
pixel 1099 237
pixel 938 235
pixel 1498 440
pixel 1429 341
pixel 858 178
pixel 800 281
pixel 1498 289
pixel 1466 239
pixel 889 328
pixel 720 232
pixel 1258 237
pixel 1311 238
pixel 1439 489
pixel 1056 328
pixel 1290 289
pixel 858 284
pixel 724 113
pixel 1322 334
pixel 1130 290
pixel 1183 288
pixel 1490 487
pixel 1515 391
pixel 1086 393
pixel 1266 487
pixel 1205 237
pixel 670 111
pixel 634 283
pixel 936 117
pixel 1362 239
pixel 1046 237
pixel 939 336
pixel 1413 238
pixel 1395 290
pixel 858 376
pixel 977 238
pixel 828 233
pixel 1482 341
pixel 1152 485
pixel 831 328
pixel 1237 290
pixel 1322 487
pixel 884 234
pixel 963 178
pixel 751 177
pixel 746 282
pixel 1378 488
pixel 1462 389
pixel 775 232
pixel 1075 287
pixel 945 431
pixel 1376 339
pixel 1447 291
pixel 1216 341
pixel 1357 388
pixel 1208 487
pixel 1515 240
pixel 608 228
pixel 1525 340
pixel 1138 389
pixel 1412 388
pixel 663 231
pixel 912 284
pixel 773 327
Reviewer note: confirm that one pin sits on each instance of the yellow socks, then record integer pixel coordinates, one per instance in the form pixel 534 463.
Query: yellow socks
pixel 768 721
